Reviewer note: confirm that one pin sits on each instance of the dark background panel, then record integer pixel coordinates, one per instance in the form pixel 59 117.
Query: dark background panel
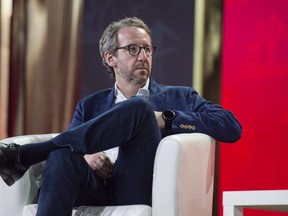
pixel 172 24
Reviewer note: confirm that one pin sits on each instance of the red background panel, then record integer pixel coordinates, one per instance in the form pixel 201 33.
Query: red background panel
pixel 255 88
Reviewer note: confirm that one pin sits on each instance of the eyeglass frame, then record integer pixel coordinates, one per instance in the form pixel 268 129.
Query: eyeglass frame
pixel 153 48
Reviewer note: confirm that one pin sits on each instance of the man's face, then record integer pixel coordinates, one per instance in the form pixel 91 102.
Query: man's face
pixel 129 68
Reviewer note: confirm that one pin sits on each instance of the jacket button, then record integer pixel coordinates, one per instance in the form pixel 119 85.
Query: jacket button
pixel 189 127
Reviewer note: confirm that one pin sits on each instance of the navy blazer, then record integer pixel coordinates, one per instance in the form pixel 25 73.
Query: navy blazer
pixel 194 114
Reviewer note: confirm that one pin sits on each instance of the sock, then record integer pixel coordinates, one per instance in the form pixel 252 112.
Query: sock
pixel 36 152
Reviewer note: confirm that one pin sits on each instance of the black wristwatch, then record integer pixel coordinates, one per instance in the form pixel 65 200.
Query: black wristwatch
pixel 168 117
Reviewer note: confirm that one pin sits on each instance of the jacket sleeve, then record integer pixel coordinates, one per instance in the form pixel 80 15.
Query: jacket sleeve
pixel 202 116
pixel 77 117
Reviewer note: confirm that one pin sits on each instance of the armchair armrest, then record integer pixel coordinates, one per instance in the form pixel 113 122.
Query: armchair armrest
pixel 25 190
pixel 184 175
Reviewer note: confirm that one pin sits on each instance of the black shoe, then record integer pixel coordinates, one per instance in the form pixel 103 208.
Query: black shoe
pixel 10 167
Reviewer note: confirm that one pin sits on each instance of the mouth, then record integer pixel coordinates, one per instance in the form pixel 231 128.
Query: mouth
pixel 143 68
pixel 146 69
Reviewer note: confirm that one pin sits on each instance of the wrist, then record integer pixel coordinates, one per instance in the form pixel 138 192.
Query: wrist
pixel 168 116
pixel 160 120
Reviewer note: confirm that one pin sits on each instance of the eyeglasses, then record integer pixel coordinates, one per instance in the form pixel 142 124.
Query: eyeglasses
pixel 134 50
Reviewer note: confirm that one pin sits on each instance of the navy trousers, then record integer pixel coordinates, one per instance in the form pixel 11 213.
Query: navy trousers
pixel 68 180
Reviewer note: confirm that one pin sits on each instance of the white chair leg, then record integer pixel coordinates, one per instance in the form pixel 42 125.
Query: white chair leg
pixel 232 211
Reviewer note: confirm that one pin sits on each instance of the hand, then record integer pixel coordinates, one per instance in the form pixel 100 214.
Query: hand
pixel 159 119
pixel 100 163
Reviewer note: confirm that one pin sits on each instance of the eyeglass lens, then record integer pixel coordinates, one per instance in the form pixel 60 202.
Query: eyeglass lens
pixel 135 50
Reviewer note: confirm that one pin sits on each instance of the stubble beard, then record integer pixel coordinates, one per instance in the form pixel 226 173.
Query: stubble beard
pixel 129 77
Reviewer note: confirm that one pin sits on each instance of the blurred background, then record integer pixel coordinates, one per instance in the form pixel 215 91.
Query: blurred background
pixel 51 55
pixel 233 52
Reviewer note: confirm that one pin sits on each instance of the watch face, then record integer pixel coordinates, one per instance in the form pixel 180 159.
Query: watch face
pixel 168 115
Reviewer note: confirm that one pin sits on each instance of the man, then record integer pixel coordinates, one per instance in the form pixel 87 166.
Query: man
pixel 77 171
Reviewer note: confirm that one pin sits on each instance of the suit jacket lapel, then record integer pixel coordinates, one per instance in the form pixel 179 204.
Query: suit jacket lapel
pixel 105 103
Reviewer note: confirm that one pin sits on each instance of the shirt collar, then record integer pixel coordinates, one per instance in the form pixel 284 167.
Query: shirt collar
pixel 120 97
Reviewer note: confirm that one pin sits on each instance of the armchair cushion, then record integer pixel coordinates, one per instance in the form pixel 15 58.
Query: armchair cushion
pixel 131 210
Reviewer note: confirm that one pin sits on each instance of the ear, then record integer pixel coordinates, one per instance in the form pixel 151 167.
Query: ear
pixel 110 59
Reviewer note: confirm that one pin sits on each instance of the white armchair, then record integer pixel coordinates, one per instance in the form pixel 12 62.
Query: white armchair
pixel 182 183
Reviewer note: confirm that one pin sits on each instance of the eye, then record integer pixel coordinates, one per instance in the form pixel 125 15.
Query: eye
pixel 148 49
pixel 134 49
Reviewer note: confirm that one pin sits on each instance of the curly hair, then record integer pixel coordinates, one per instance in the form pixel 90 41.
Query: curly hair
pixel 108 41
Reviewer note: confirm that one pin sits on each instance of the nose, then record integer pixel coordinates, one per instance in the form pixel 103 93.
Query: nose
pixel 142 54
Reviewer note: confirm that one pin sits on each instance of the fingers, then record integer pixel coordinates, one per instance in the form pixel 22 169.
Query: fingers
pixel 101 164
pixel 105 160
pixel 104 166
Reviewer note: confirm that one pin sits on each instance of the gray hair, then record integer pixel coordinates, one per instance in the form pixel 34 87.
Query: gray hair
pixel 108 41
